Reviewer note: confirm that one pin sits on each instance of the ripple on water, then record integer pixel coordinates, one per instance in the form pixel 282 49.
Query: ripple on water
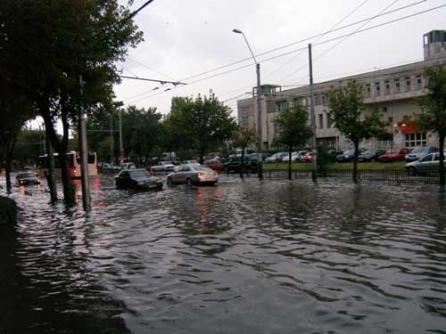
pixel 274 256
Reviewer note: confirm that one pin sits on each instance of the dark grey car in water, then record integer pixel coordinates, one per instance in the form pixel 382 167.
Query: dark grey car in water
pixel 137 179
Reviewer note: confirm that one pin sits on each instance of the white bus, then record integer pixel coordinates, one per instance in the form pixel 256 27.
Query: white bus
pixel 74 164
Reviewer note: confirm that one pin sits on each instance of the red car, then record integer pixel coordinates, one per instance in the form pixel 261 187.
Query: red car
pixel 215 165
pixel 394 155
pixel 308 157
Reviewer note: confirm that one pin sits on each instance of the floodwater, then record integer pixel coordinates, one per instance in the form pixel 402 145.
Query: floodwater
pixel 241 257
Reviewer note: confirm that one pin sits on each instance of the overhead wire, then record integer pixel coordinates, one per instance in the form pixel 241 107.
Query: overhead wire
pixel 316 44
pixel 293 43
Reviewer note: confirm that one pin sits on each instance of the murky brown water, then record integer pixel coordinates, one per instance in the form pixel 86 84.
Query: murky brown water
pixel 272 257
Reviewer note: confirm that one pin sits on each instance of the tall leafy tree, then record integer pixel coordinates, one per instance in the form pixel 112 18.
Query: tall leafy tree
pixel 347 110
pixel 47 46
pixel 203 123
pixel 433 115
pixel 294 130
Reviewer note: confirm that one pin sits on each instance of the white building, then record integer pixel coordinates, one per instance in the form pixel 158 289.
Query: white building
pixel 393 91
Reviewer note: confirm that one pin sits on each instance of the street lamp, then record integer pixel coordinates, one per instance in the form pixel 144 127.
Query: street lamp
pixel 259 110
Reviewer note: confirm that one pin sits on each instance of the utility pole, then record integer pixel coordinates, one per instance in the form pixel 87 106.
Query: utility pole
pixel 121 146
pixel 86 200
pixel 312 119
pixel 259 125
pixel 112 141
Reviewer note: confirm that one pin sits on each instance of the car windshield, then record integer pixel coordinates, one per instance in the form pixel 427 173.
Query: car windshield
pixel 420 150
pixel 200 168
pixel 164 163
pixel 25 174
pixel 139 173
pixel 369 152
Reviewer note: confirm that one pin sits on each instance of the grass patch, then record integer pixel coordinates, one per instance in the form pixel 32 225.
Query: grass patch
pixel 398 165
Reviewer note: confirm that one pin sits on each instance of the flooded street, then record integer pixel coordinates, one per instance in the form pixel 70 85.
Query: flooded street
pixel 241 257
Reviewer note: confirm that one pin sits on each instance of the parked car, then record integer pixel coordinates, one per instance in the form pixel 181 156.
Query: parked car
pixel 26 177
pixel 127 165
pixel 394 155
pixel 137 178
pixel 370 155
pixel 215 165
pixel 109 168
pixel 420 152
pixel 235 164
pixel 307 157
pixel 276 157
pixel 163 166
pixel 348 155
pixel 192 174
pixel 424 165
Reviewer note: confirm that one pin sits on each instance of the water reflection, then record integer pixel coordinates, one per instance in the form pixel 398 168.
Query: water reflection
pixel 250 256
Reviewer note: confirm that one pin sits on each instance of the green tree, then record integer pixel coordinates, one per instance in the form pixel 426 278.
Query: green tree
pixel 294 130
pixel 48 44
pixel 201 123
pixel 433 115
pixel 242 138
pixel 15 110
pixel 347 110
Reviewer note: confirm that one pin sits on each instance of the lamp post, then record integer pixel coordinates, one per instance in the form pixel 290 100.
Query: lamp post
pixel 259 110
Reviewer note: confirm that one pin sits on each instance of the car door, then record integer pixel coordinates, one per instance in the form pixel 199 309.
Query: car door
pixel 123 179
pixel 426 163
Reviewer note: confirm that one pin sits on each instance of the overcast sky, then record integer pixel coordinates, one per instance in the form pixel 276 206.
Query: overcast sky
pixel 184 38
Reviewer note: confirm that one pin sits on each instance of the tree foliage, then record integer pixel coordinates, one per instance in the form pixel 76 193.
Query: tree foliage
pixel 293 130
pixel 433 115
pixel 203 123
pixel 347 110
pixel 46 45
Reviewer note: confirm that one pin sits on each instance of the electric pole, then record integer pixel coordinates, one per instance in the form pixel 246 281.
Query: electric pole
pixel 86 200
pixel 312 119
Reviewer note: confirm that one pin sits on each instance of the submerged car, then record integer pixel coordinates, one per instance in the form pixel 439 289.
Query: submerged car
pixel 424 165
pixel 137 179
pixel 190 174
pixel 25 178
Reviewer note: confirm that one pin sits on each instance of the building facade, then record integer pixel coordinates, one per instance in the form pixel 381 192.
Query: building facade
pixel 392 91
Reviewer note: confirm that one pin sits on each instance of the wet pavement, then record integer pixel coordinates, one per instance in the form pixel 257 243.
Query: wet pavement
pixel 241 257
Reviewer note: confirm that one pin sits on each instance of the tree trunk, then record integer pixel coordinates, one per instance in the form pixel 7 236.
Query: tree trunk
pixel 8 172
pixel 68 189
pixel 289 162
pixel 355 160
pixel 49 174
pixel 441 136
pixel 242 163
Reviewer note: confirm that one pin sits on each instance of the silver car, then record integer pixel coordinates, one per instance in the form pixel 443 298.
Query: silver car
pixel 425 165
pixel 192 174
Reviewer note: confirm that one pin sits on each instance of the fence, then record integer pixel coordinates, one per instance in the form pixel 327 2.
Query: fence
pixel 397 176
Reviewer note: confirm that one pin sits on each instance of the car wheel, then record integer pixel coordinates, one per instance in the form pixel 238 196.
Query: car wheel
pixel 189 182
pixel 169 182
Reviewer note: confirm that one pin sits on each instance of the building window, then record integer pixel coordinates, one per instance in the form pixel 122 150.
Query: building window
pixel 387 87
pixel 324 99
pixel 407 87
pixel 317 99
pixel 367 90
pixel 329 121
pixel 415 139
pixel 298 101
pixel 281 106
pixel 390 120
pixel 397 86
pixel 419 82
pixel 384 109
pixel 377 89
pixel 321 121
